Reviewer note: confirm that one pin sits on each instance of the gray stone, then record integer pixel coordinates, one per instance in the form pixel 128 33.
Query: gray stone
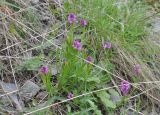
pixel 54 70
pixel 8 110
pixel 145 112
pixel 4 100
pixel 41 95
pixel 115 97
pixel 126 111
pixel 155 30
pixel 34 2
pixel 29 90
pixel 10 87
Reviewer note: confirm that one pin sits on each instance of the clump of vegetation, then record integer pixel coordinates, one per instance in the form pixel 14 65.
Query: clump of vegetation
pixel 100 49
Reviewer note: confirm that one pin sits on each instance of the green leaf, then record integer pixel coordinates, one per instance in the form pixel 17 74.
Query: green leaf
pixel 31 64
pixel 93 79
pixel 11 28
pixel 95 108
pixel 66 5
pixel 68 108
pixel 105 98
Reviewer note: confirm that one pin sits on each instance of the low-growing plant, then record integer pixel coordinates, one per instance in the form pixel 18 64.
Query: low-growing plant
pixel 103 40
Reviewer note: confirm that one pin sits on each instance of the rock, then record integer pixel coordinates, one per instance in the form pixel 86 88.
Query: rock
pixel 54 70
pixel 9 87
pixel 156 25
pixel 29 90
pixel 44 104
pixel 145 112
pixel 16 101
pixel 157 109
pixel 9 110
pixel 41 95
pixel 45 18
pixel 155 30
pixel 34 2
pixel 126 111
pixel 115 97
pixel 4 100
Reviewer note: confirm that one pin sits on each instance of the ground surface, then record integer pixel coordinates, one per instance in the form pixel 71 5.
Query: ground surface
pixel 108 65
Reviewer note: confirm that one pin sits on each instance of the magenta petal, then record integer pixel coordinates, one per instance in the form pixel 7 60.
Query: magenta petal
pixel 72 18
pixel 107 45
pixel 77 45
pixel 125 87
pixel 44 69
pixel 89 59
pixel 70 95
pixel 83 22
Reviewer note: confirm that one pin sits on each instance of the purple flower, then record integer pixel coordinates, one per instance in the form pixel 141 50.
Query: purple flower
pixel 137 69
pixel 83 22
pixel 70 95
pixel 107 45
pixel 125 87
pixel 89 59
pixel 44 69
pixel 72 18
pixel 77 45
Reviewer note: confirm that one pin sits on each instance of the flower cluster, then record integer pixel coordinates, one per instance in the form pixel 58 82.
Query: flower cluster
pixel 125 87
pixel 44 70
pixel 70 95
pixel 89 59
pixel 77 45
pixel 137 69
pixel 107 45
pixel 72 18
pixel 83 22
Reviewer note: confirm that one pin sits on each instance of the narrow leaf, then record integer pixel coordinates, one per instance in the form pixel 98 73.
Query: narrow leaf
pixel 105 98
